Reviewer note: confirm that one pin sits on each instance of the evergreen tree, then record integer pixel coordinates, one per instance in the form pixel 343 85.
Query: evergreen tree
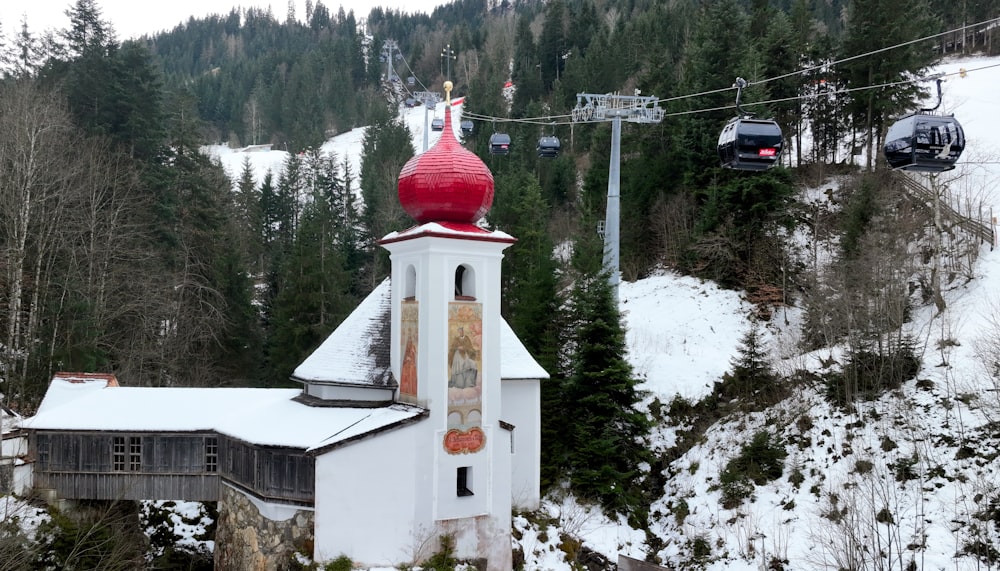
pixel 249 216
pixel 553 43
pixel 605 447
pixel 27 52
pixel 316 284
pixel 526 73
pixel 387 147
pixel 207 303
pixel 530 274
pixel 715 53
pixel 873 25
pixel 752 373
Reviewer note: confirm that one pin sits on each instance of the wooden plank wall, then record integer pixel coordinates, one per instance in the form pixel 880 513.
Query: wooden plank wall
pixel 77 486
pixel 80 465
pixel 273 473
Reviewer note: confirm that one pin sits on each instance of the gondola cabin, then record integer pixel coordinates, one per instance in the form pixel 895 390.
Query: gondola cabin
pixel 924 143
pixel 548 147
pixel 750 144
pixel 411 80
pixel 467 127
pixel 499 144
pixel 437 124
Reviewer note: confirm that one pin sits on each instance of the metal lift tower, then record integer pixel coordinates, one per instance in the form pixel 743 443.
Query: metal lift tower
pixel 429 99
pixel 389 50
pixel 591 108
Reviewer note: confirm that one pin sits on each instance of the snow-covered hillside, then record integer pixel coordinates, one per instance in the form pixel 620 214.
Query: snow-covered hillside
pixel 345 145
pixel 908 475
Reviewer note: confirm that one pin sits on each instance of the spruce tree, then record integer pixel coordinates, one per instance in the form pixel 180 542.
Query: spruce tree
pixel 606 446
pixel 387 147
pixel 877 24
pixel 530 273
pixel 752 375
pixel 316 285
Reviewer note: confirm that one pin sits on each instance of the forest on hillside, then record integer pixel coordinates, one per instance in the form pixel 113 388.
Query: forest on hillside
pixel 126 250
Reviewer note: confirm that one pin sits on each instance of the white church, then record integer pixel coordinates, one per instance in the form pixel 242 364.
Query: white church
pixel 417 422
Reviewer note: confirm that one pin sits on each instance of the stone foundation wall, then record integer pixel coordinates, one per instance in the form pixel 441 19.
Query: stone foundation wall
pixel 246 540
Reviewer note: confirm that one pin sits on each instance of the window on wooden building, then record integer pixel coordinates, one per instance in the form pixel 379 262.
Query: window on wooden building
pixel 126 453
pixel 118 454
pixel 134 453
pixel 464 481
pixel 211 454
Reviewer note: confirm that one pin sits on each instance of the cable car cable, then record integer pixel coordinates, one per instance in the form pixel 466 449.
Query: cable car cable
pixel 547 120
pixel 878 51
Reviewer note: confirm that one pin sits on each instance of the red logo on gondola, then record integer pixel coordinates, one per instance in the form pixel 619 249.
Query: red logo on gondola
pixel 464 441
pixel 767 152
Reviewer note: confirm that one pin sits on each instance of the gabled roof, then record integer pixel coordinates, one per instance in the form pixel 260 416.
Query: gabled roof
pixel 357 352
pixel 267 417
pixel 515 360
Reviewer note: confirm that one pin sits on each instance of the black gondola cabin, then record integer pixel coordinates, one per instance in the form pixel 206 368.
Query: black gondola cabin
pixel 467 127
pixel 750 144
pixel 437 124
pixel 924 143
pixel 499 144
pixel 548 147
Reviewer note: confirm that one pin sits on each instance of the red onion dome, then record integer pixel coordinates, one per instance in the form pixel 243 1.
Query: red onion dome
pixel 447 183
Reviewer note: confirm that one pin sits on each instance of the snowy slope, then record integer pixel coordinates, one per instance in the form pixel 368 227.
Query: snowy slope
pixel 853 464
pixel 682 335
pixel 347 145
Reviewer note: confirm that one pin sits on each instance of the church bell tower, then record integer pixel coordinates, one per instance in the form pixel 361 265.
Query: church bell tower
pixel 445 346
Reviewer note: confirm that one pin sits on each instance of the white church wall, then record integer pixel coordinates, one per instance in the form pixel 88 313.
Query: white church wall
pixel 521 406
pixel 481 474
pixel 365 486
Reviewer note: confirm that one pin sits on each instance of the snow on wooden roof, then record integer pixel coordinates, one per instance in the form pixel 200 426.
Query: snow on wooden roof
pixel 262 416
pixel 10 421
pixel 515 360
pixel 357 352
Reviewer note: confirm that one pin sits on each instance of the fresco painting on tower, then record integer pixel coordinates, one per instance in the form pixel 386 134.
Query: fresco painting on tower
pixel 465 405
pixel 410 342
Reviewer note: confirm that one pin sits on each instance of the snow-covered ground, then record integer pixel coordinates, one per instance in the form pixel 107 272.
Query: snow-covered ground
pixel 851 461
pixel 682 336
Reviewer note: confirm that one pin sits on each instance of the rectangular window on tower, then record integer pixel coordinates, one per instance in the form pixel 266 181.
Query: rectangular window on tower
pixel 464 481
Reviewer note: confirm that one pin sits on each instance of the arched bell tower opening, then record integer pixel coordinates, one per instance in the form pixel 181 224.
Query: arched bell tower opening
pixel 410 283
pixel 465 283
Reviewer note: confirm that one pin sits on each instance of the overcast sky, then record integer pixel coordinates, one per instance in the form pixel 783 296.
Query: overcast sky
pixel 136 17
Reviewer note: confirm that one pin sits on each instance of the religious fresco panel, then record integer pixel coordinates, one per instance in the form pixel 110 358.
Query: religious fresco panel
pixel 465 380
pixel 409 343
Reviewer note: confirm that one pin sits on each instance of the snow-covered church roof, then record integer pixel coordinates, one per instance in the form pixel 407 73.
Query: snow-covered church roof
pixel 357 352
